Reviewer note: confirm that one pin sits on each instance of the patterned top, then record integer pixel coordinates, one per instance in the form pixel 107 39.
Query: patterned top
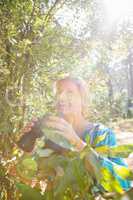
pixel 101 136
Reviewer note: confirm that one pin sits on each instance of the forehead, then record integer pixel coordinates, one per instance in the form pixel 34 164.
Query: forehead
pixel 66 85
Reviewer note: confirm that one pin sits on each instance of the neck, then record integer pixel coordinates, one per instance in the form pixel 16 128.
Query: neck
pixel 78 122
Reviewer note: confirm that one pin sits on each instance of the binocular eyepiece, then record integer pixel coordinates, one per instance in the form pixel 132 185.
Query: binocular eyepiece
pixel 27 141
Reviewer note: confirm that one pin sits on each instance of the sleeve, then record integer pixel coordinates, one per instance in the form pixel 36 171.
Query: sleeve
pixel 112 167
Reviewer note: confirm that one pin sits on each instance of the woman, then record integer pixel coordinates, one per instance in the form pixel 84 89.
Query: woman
pixel 72 124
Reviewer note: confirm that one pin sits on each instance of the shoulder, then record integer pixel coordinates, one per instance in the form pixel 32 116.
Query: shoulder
pixel 104 135
pixel 101 129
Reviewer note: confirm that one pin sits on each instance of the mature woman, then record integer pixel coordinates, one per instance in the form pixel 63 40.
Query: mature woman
pixel 71 123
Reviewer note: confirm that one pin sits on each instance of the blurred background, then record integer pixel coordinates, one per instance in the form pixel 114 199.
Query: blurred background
pixel 44 40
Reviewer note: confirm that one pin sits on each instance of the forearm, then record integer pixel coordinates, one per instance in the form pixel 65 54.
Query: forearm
pixel 79 144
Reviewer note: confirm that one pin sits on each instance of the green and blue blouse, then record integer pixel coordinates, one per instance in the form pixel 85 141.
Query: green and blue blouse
pixel 112 167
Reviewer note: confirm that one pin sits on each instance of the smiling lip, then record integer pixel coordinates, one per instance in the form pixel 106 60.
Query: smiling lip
pixel 62 106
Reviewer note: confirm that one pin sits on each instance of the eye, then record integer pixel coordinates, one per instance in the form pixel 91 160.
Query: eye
pixel 70 95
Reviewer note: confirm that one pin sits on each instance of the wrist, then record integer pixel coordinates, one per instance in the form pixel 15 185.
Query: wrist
pixel 80 144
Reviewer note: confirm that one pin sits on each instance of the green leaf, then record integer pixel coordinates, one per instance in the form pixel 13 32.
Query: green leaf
pixel 120 151
pixel 44 152
pixel 46 1
pixel 27 167
pixel 93 158
pixel 54 136
pixel 104 150
pixel 87 139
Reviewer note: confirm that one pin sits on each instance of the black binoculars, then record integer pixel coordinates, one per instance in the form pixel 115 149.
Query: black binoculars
pixel 27 140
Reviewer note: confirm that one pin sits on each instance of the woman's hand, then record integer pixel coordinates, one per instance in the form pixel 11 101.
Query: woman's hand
pixel 66 130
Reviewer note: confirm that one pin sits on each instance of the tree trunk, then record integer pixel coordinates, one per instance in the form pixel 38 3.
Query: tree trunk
pixel 130 84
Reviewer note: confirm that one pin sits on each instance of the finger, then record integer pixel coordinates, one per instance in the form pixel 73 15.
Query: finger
pixel 35 119
pixel 62 133
pixel 58 119
pixel 30 124
pixel 29 129
pixel 55 125
pixel 26 130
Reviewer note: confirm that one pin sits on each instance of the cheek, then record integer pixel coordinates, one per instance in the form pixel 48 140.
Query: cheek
pixel 76 104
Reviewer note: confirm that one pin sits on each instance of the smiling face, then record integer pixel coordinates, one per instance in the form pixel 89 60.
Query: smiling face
pixel 69 99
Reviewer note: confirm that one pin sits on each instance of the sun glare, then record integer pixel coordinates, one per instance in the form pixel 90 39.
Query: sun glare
pixel 118 8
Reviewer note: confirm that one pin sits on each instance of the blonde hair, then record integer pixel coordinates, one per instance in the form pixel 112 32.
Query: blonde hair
pixel 82 87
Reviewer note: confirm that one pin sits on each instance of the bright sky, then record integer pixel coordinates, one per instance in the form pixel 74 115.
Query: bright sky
pixel 117 9
pixel 77 20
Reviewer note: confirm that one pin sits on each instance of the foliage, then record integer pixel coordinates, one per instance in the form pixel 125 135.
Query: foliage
pixel 22 26
pixel 66 176
pixel 35 50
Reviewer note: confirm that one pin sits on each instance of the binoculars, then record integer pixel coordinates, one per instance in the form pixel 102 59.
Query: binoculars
pixel 27 140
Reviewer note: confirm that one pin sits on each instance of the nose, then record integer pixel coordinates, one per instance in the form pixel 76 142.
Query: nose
pixel 62 98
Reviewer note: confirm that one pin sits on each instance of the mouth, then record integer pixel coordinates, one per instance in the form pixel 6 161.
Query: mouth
pixel 62 107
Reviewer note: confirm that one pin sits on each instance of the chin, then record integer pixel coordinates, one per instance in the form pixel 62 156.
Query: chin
pixel 64 113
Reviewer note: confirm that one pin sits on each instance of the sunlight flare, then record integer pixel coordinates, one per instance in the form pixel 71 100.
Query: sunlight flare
pixel 117 9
